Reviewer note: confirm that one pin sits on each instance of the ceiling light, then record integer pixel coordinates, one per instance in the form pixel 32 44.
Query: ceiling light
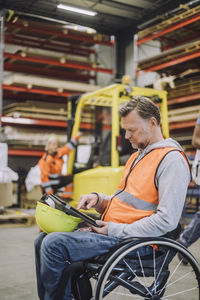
pixel 77 10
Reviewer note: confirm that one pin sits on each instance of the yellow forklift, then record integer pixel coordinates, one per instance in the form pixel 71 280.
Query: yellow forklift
pixel 105 178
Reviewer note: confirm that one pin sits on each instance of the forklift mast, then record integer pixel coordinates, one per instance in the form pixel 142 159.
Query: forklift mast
pixel 71 110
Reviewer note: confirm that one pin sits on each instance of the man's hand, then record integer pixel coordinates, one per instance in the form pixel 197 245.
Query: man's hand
pixel 103 229
pixel 87 201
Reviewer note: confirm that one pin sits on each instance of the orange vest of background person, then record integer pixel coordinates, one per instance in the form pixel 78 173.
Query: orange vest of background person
pixel 51 167
pixel 52 164
pixel 137 195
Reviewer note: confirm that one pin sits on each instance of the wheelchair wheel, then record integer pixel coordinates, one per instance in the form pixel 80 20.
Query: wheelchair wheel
pixel 149 269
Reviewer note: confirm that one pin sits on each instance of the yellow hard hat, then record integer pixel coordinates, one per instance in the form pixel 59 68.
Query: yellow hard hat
pixel 126 79
pixel 50 219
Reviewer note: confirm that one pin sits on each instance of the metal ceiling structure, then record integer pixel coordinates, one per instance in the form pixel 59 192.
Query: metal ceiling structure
pixel 113 16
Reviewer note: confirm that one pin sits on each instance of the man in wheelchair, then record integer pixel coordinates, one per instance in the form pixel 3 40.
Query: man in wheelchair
pixel 148 203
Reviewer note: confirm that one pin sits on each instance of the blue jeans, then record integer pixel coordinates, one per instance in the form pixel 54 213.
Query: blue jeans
pixel 53 252
pixel 192 231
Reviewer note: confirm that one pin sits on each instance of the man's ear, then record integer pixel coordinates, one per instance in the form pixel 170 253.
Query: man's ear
pixel 153 121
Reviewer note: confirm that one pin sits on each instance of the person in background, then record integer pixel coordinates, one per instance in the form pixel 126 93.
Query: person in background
pixel 192 231
pixel 51 165
pixel 148 202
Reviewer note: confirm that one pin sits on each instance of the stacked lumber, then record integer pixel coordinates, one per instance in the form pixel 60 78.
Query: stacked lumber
pixel 31 81
pixel 178 62
pixel 37 110
pixel 43 110
pixel 183 134
pixel 31 138
pixel 185 86
pixel 49 111
pixel 169 22
pixel 184 114
pixel 168 55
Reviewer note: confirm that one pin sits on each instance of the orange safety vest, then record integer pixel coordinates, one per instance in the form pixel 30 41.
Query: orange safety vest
pixel 137 194
pixel 52 165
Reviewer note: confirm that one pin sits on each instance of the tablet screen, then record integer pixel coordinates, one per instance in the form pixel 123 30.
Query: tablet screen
pixel 52 200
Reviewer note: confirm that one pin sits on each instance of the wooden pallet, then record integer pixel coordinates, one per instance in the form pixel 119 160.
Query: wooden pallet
pixel 12 218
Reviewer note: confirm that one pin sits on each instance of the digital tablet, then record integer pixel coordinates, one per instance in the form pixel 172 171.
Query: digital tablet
pixel 56 202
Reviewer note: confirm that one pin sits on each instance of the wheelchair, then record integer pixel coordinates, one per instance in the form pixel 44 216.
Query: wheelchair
pixel 126 273
pixel 145 268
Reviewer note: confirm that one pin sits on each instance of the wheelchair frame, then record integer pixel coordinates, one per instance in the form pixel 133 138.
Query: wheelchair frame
pixel 125 274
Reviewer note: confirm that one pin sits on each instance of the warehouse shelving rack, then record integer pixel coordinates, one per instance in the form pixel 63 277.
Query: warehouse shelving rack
pixel 180 46
pixel 181 20
pixel 35 35
pixel 180 50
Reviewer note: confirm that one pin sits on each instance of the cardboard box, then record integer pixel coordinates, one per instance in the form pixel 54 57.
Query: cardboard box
pixel 34 194
pixel 6 194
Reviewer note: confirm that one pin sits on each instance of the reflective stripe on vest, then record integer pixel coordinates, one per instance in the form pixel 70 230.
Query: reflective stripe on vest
pixel 135 202
pixel 137 195
pixel 50 183
pixel 53 176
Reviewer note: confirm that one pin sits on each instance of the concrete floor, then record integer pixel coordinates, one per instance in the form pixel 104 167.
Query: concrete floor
pixel 17 270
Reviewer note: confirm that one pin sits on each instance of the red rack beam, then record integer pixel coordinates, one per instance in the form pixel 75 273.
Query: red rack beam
pixel 48 123
pixel 8 95
pixel 169 29
pixel 25 152
pixel 170 63
pixel 48 45
pixel 34 91
pixel 32 122
pixel 179 125
pixel 56 63
pixel 179 43
pixel 65 34
pixel 22 68
pixel 184 99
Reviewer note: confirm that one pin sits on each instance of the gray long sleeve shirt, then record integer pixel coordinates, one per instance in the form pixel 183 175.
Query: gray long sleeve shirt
pixel 172 179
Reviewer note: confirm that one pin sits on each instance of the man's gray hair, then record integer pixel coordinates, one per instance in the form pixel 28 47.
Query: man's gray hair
pixel 143 105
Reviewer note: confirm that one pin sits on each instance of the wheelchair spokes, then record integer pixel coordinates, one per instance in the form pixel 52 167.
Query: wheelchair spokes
pixel 159 275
